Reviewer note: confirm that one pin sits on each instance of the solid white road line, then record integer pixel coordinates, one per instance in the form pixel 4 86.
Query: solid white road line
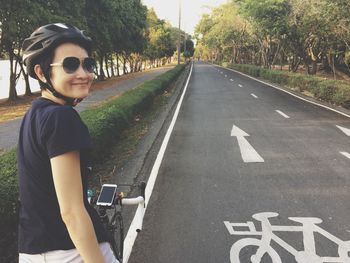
pixel 254 96
pixel 283 114
pixel 248 153
pixel 132 234
pixel 290 93
pixel 240 85
pixel 345 130
pixel 346 154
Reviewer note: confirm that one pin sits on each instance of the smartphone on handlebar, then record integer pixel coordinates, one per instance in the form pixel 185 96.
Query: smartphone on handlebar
pixel 107 195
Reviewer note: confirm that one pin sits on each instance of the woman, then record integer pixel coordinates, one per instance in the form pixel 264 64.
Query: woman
pixel 56 222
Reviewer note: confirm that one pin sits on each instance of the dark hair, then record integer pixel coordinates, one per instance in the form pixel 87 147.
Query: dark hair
pixel 44 61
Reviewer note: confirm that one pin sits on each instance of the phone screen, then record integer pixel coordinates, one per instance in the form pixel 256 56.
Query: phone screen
pixel 107 194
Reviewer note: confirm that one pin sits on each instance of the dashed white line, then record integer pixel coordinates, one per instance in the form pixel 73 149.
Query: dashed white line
pixel 283 114
pixel 290 93
pixel 221 72
pixel 254 95
pixel 231 79
pixel 240 85
pixel 345 130
pixel 225 76
pixel 346 154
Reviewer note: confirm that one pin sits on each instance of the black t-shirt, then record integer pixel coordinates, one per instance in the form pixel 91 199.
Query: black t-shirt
pixel 48 130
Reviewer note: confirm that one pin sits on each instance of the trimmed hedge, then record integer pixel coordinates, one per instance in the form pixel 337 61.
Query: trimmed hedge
pixel 332 91
pixel 105 124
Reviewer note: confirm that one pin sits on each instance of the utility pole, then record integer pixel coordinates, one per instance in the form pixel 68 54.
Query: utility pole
pixel 185 42
pixel 179 37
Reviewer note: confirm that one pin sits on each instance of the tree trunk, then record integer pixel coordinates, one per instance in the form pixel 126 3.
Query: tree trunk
pixel 313 67
pixel 331 63
pixel 107 66
pixel 12 92
pixel 307 67
pixel 124 66
pixel 131 65
pixel 112 66
pixel 26 79
pixel 118 73
pixel 140 66
pixel 28 92
pixel 101 76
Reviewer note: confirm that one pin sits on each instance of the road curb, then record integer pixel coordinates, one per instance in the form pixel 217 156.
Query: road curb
pixel 132 170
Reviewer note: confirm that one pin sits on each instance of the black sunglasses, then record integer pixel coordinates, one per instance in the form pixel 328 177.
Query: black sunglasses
pixel 71 64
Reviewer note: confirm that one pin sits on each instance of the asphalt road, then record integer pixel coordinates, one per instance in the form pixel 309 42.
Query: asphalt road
pixel 295 163
pixel 9 130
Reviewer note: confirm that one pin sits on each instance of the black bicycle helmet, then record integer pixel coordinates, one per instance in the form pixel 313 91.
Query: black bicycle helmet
pixel 44 40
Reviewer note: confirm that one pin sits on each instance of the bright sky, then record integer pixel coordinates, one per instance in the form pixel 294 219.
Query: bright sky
pixel 191 11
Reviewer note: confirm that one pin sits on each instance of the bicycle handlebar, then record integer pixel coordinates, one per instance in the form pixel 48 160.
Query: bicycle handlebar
pixel 140 200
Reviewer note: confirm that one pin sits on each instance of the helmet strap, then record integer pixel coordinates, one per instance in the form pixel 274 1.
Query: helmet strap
pixel 69 101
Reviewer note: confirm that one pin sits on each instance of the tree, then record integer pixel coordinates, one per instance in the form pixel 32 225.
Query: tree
pixel 188 48
pixel 224 32
pixel 270 22
pixel 160 39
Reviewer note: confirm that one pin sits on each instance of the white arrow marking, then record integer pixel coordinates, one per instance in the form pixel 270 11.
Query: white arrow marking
pixel 283 114
pixel 345 130
pixel 249 155
pixel 254 95
pixel 346 154
pixel 240 85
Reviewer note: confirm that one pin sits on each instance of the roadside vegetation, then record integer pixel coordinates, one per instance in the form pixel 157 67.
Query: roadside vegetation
pixel 311 37
pixel 127 36
pixel 106 124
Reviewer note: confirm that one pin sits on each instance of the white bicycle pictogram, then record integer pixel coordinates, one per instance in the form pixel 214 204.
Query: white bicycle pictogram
pixel 308 228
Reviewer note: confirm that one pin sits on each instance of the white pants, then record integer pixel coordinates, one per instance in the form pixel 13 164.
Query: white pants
pixel 66 256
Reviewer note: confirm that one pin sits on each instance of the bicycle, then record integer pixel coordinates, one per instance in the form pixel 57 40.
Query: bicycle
pixel 113 221
pixel 308 228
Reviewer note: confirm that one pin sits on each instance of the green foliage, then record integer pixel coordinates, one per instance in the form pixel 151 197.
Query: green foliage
pixel 162 38
pixel 8 189
pixel 106 122
pixel 8 206
pixel 270 32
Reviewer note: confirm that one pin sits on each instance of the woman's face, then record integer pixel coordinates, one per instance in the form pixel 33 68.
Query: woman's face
pixel 76 84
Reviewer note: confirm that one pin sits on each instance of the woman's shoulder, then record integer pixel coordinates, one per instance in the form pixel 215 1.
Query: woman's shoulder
pixel 53 113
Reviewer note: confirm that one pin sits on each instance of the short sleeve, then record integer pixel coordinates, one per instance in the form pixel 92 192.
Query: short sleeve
pixel 63 131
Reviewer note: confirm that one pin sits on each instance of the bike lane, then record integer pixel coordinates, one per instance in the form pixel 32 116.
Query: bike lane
pixel 203 180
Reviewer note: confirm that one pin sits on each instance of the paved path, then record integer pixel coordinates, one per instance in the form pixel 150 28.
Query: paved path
pixel 9 130
pixel 239 148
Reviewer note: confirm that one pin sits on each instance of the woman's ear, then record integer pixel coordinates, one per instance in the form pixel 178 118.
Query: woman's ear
pixel 39 73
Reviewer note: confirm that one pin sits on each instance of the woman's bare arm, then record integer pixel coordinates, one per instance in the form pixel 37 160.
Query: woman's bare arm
pixel 69 190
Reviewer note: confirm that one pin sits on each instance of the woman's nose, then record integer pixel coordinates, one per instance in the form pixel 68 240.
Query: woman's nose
pixel 81 72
